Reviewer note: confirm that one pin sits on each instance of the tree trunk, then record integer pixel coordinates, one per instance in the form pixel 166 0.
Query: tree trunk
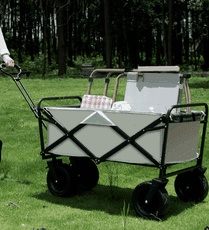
pixel 48 33
pixel 164 34
pixel 205 36
pixel 20 31
pixel 186 40
pixel 158 44
pixel 178 50
pixel 61 32
pixel 70 38
pixel 54 34
pixel 44 5
pixel 14 21
pixel 75 31
pixel 30 31
pixel 148 46
pixel 108 50
pixel 170 29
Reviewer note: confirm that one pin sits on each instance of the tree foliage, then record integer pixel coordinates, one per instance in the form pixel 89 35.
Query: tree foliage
pixel 125 33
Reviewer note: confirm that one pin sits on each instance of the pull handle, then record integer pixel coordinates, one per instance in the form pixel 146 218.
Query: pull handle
pixel 3 65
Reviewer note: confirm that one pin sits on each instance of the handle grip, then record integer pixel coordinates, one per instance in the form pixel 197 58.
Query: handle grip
pixel 3 65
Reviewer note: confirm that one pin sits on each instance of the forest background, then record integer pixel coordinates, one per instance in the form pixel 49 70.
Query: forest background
pixel 53 35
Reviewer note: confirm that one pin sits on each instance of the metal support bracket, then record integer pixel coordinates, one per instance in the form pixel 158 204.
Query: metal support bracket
pixel 199 171
pixel 156 183
pixel 51 165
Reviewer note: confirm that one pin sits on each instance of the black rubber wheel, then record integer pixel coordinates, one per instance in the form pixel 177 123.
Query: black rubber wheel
pixel 156 207
pixel 66 181
pixel 87 173
pixel 191 187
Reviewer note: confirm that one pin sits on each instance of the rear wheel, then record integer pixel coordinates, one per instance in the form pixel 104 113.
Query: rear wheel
pixel 87 174
pixel 191 187
pixel 155 208
pixel 65 185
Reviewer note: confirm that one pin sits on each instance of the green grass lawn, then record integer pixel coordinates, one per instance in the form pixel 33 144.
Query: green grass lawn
pixel 23 172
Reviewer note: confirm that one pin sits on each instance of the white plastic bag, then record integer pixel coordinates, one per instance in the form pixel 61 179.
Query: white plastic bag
pixel 121 105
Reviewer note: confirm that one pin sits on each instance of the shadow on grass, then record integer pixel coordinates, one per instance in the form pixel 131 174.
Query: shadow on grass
pixel 176 207
pixel 101 198
pixel 110 200
pixel 196 85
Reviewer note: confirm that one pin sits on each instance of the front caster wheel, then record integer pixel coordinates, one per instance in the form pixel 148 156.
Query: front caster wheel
pixel 65 185
pixel 191 187
pixel 155 208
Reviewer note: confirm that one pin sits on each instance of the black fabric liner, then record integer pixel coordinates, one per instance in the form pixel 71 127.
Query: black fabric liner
pixel 184 116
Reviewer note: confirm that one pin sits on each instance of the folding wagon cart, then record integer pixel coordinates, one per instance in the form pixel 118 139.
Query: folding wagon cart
pixel 148 128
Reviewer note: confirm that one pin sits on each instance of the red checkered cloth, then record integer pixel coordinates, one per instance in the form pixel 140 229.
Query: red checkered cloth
pixel 96 102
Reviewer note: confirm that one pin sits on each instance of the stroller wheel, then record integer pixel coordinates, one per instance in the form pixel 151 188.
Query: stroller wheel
pixel 66 181
pixel 191 187
pixel 155 208
pixel 87 173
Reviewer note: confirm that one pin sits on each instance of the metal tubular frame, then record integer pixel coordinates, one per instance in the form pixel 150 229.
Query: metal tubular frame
pixel 50 119
pixel 70 134
pixel 183 79
pixel 39 112
pixel 107 79
pixel 165 119
pixel 44 115
pixel 23 90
